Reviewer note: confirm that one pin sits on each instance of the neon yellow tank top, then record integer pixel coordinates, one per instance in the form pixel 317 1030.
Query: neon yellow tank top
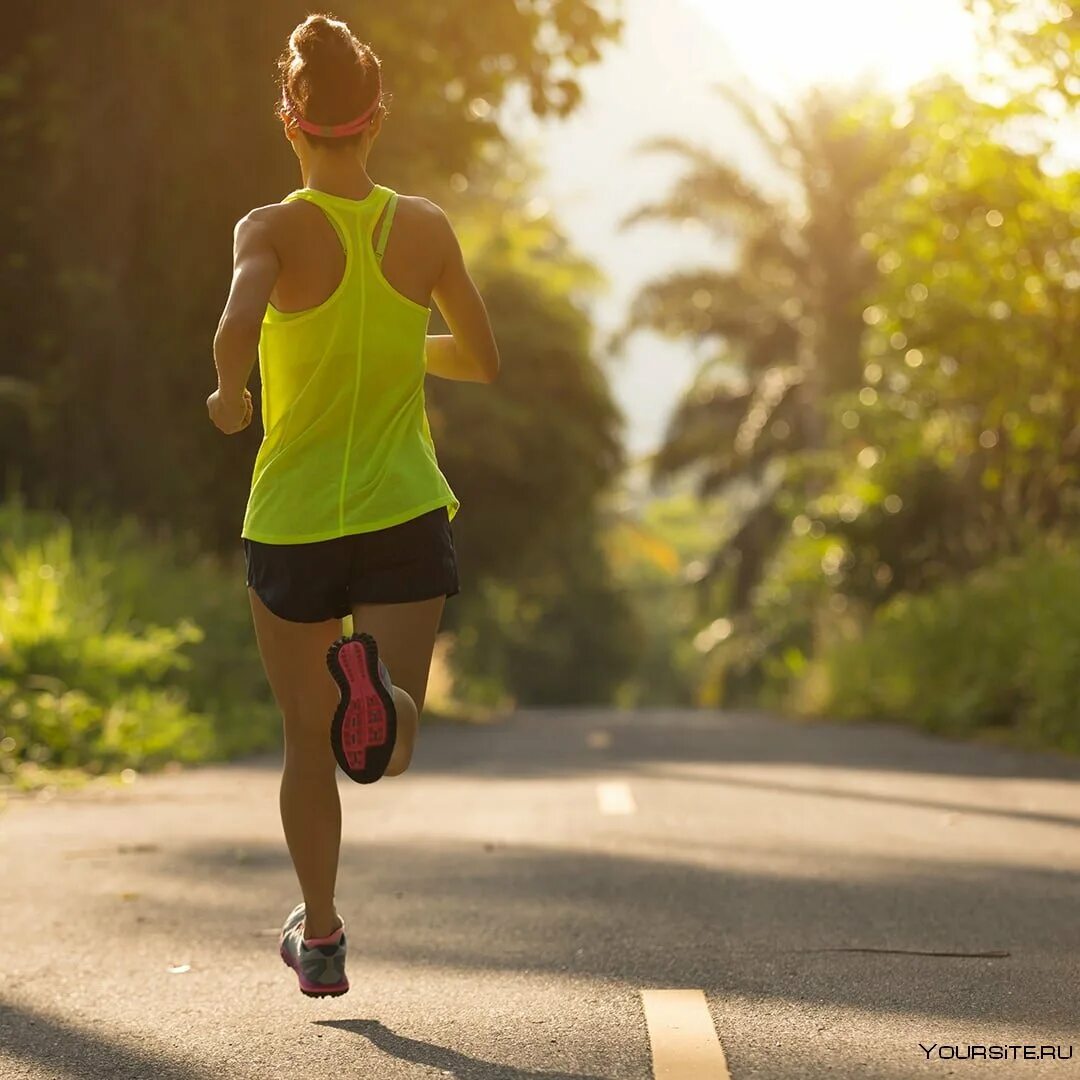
pixel 346 445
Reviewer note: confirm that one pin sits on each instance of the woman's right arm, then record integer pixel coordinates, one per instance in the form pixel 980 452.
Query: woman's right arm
pixel 468 353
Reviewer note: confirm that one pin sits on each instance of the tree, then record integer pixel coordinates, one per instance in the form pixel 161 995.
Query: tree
pixel 529 457
pixel 786 318
pixel 959 443
pixel 1040 39
pixel 967 420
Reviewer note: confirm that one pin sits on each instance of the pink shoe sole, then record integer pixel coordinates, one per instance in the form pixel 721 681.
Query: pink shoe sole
pixel 364 728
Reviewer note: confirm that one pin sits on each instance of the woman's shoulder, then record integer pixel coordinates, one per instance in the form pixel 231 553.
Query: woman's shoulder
pixel 283 222
pixel 284 205
pixel 420 206
pixel 260 225
pixel 270 214
pixel 422 216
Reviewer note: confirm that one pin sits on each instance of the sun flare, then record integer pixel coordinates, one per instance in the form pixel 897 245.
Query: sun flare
pixel 782 46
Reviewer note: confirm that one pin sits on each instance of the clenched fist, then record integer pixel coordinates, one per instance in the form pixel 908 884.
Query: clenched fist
pixel 230 414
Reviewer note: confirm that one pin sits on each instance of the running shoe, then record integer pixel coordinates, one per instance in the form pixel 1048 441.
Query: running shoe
pixel 319 963
pixel 364 728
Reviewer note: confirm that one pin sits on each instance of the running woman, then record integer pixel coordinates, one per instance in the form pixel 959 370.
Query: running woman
pixel 349 512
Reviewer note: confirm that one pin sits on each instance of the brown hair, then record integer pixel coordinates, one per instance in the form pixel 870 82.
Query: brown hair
pixel 328 76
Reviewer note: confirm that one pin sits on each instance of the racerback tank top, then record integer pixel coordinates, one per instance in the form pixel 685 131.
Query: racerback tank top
pixel 346 445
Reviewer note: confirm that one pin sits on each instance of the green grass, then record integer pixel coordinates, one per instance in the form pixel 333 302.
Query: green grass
pixel 121 649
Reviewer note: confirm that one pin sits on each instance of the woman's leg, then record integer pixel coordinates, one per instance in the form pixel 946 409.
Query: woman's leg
pixel 294 656
pixel 405 634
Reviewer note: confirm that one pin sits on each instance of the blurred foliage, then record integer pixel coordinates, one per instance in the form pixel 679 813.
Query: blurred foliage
pixel 121 648
pixel 965 436
pixel 890 411
pixel 1040 40
pixel 543 440
pixel 537 615
pixel 785 319
pixel 565 637
pixel 999 650
pixel 658 550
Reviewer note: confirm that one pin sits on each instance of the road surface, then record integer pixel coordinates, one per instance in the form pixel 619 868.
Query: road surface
pixel 514 903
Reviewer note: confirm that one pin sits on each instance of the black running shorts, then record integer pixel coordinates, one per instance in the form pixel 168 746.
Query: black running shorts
pixel 322 580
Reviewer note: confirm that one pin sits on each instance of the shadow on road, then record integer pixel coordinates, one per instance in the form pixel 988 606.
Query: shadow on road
pixel 459 1066
pixel 36 1039
pixel 691 911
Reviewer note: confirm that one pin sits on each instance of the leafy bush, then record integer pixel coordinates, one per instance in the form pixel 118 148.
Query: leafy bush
pixel 999 649
pixel 121 648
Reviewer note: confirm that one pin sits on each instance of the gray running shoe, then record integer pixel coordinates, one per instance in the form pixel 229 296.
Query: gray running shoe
pixel 320 966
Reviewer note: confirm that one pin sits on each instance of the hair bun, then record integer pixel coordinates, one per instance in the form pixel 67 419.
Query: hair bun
pixel 321 35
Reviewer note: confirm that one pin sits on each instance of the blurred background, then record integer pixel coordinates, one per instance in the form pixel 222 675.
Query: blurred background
pixel 787 297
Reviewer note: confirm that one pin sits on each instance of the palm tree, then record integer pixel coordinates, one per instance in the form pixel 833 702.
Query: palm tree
pixel 786 318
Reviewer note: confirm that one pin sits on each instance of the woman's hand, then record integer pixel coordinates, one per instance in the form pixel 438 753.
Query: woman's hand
pixel 230 414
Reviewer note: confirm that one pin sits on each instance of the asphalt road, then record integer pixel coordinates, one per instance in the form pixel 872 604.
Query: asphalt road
pixel 508 901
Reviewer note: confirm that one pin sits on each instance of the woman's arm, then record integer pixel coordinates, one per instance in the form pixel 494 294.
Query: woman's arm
pixel 236 343
pixel 468 353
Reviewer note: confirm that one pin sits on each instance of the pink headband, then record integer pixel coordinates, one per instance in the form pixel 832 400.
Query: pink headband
pixel 334 131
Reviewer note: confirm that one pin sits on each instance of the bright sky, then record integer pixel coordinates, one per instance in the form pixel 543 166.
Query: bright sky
pixel 783 45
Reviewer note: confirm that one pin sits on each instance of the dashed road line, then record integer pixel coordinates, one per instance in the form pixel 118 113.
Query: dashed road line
pixel 615 797
pixel 684 1042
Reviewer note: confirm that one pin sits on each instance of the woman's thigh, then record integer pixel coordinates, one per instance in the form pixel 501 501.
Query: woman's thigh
pixel 405 634
pixel 294 657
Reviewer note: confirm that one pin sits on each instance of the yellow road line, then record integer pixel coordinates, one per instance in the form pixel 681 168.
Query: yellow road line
pixel 615 797
pixel 684 1042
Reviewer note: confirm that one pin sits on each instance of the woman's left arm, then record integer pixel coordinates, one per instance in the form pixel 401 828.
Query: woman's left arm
pixel 236 343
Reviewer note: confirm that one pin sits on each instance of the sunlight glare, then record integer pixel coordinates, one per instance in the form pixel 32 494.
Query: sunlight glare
pixel 782 46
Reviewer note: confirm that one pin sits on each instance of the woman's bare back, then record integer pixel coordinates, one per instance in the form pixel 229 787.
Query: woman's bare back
pixel 312 259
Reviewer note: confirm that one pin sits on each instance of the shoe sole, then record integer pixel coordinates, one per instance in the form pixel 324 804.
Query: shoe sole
pixel 364 729
pixel 312 990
